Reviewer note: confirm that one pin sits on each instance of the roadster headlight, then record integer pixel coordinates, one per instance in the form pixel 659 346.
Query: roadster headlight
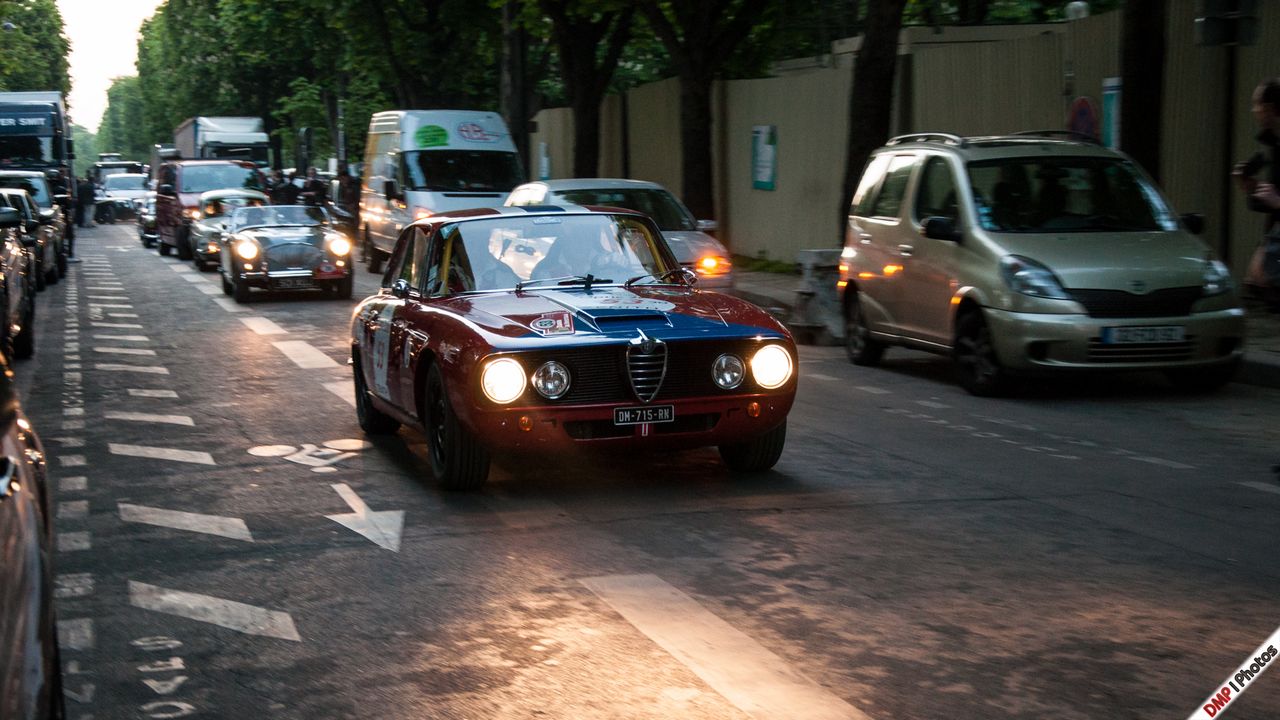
pixel 1029 277
pixel 502 380
pixel 551 380
pixel 1217 278
pixel 339 245
pixel 771 367
pixel 247 249
pixel 728 371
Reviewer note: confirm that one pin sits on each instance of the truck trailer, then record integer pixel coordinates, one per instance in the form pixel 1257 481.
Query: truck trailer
pixel 228 138
pixel 35 134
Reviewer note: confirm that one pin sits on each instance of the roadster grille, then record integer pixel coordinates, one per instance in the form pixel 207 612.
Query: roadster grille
pixel 646 369
pixel 293 256
pixel 1170 302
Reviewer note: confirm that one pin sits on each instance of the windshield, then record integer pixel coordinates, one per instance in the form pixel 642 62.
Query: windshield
pixel 496 254
pixel 272 215
pixel 217 207
pixel 125 182
pixel 657 204
pixel 15 150
pixel 36 187
pixel 463 170
pixel 203 178
pixel 1066 194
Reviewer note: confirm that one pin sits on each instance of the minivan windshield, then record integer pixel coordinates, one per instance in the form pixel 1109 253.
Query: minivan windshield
pixel 1066 195
pixel 657 204
pixel 463 170
pixel 203 178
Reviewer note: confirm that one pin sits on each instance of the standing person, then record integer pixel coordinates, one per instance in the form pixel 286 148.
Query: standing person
pixel 85 202
pixel 287 192
pixel 313 190
pixel 1259 178
pixel 348 191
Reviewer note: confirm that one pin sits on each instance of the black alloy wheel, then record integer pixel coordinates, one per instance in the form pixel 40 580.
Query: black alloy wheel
pixel 184 243
pixel 458 460
pixel 24 343
pixel 372 257
pixel 226 284
pixel 372 420
pixel 859 346
pixel 51 273
pixel 342 288
pixel 758 454
pixel 979 369
pixel 163 248
pixel 37 272
pixel 239 288
pixel 62 261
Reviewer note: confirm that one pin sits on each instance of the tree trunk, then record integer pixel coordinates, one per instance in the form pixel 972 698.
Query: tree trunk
pixel 1142 81
pixel 513 81
pixel 586 136
pixel 695 136
pixel 871 99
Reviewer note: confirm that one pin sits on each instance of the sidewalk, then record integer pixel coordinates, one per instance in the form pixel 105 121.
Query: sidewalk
pixel 777 293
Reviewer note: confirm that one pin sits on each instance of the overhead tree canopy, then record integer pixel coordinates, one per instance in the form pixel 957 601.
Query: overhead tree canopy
pixel 33 54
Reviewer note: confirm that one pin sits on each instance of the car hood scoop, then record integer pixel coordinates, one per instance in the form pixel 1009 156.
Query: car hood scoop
pixel 604 311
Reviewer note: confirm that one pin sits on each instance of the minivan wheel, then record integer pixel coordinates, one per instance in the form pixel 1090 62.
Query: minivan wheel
pixel 978 366
pixel 861 348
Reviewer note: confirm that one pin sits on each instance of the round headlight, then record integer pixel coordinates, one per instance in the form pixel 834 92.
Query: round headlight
pixel 502 380
pixel 771 366
pixel 339 245
pixel 247 249
pixel 551 380
pixel 728 371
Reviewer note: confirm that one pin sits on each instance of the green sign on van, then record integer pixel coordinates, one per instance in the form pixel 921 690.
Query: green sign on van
pixel 431 136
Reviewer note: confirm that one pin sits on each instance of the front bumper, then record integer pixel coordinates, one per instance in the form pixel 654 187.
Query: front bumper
pixel 1048 342
pixel 295 279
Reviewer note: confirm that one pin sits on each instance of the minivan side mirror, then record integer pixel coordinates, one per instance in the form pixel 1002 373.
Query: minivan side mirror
pixel 941 228
pixel 9 218
pixel 1194 223
pixel 166 189
pixel 391 189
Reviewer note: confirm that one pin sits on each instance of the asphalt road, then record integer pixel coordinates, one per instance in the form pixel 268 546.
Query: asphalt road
pixel 1099 550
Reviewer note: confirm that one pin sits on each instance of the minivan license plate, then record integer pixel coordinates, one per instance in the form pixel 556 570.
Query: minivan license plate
pixel 641 415
pixel 1143 334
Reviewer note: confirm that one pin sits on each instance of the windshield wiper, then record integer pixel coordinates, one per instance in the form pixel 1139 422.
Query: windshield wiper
pixel 660 277
pixel 584 280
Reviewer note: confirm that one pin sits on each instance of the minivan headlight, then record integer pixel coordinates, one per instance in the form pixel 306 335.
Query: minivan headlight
pixel 1029 277
pixel 502 380
pixel 1217 278
pixel 771 367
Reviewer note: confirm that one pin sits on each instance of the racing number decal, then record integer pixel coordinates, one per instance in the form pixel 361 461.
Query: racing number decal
pixel 555 323
pixel 382 349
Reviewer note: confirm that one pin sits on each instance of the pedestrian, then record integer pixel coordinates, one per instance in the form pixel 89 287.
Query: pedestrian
pixel 85 205
pixel 1259 177
pixel 313 190
pixel 348 191
pixel 285 192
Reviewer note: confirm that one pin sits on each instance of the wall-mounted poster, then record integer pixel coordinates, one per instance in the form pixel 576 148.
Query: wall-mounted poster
pixel 1111 112
pixel 764 157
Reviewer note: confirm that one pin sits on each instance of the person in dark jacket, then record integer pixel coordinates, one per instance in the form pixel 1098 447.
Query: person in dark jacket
pixel 313 190
pixel 84 202
pixel 286 193
pixel 1259 178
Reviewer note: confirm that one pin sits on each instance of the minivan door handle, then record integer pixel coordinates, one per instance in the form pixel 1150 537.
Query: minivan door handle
pixel 906 250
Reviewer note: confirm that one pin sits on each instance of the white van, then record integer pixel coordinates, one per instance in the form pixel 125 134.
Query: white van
pixel 419 163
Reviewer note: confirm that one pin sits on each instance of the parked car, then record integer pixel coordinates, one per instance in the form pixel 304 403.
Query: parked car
pixel 1032 254
pixel 39 235
pixel 30 671
pixel 147 222
pixel 17 286
pixel 180 184
pixel 283 247
pixel 687 237
pixel 52 215
pixel 120 196
pixel 210 222
pixel 562 329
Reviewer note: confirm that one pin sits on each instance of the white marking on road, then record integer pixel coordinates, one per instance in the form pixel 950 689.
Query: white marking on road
pixel 73 425
pixel 76 634
pixel 227 527
pixel 124 338
pixel 230 305
pixel 116 325
pixel 107 297
pixel 124 351
pixel 121 315
pixel 195 457
pixel 70 442
pixel 73 412
pixel 263 326
pixel 874 390
pixel 125 306
pixel 69 585
pixel 209 289
pixel 180 268
pixel 113 367
pixel 305 355
pixel 78 483
pixel 150 418
pixel 747 674
pixel 73 541
pixel 237 616
pixel 1162 462
pixel 344 389
pixel 136 392
pixel 932 404
pixel 193 278
pixel 73 509
pixel 72 377
pixel 72 460
pixel 819 376
pixel 1264 487
pixel 382 527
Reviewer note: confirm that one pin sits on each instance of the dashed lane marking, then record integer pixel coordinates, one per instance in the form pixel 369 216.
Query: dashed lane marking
pixel 79 483
pixel 227 527
pixel 230 614
pixel 74 541
pixel 263 326
pixel 1161 462
pixel 194 278
pixel 150 418
pixel 343 389
pixel 123 315
pixel 819 376
pixel 230 305
pixel 873 390
pixel 113 367
pixel 123 338
pixel 124 351
pixel 209 289
pixel 69 442
pixel 73 509
pixel 72 461
pixel 1264 487
pixel 747 674
pixel 109 298
pixel 305 355
pixel 195 457
pixel 125 306
pixel 140 392
pixel 116 325
pixel 932 404
pixel 179 268
pixel 76 634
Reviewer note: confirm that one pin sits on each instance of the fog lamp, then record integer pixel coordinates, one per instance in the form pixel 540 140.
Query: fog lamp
pixel 753 409
pixel 526 423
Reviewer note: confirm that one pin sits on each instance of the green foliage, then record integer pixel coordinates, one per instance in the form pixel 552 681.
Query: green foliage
pixel 122 129
pixel 86 150
pixel 33 55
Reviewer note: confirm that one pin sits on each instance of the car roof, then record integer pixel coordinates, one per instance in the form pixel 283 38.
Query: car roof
pixel 22 173
pixel 232 192
pixel 594 184
pixel 521 210
pixel 128 175
pixel 991 147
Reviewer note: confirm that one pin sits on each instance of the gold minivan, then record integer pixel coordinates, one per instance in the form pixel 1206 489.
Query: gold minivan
pixel 1031 253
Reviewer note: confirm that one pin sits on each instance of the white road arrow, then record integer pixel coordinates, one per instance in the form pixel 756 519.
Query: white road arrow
pixel 382 527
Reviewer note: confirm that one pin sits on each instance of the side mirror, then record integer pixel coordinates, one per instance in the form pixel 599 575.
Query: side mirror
pixel 941 228
pixel 166 190
pixel 707 226
pixel 400 288
pixel 690 277
pixel 1194 223
pixel 391 189
pixel 9 218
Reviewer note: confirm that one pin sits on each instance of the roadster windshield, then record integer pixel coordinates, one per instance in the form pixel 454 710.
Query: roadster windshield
pixel 498 253
pixel 276 215
pixel 1066 195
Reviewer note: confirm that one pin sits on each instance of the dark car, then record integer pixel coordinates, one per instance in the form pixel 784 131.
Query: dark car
pixel 147 222
pixel 283 247
pixel 17 287
pixel 39 235
pixel 180 184
pixel 546 330
pixel 30 672
pixel 216 208
pixel 53 261
pixel 119 197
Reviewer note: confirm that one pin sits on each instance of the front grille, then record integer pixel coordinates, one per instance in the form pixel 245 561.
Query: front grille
pixel 293 256
pixel 1170 302
pixel 1140 352
pixel 646 369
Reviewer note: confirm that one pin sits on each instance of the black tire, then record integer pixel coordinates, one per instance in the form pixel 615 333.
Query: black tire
pixel 184 244
pixel 62 263
pixel 226 284
pixel 372 257
pixel 458 460
pixel 51 274
pixel 163 248
pixel 372 420
pixel 240 289
pixel 24 343
pixel 38 275
pixel 342 288
pixel 859 346
pixel 1203 380
pixel 758 454
pixel 977 365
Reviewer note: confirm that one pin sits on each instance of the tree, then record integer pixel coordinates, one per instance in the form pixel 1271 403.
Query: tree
pixel 871 99
pixel 1142 77
pixel 33 54
pixel 86 150
pixel 701 37
pixel 122 129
